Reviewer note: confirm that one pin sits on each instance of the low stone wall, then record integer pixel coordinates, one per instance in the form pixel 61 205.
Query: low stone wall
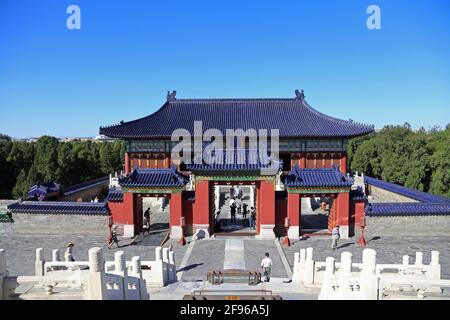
pixel 407 226
pixel 57 224
pixel 381 195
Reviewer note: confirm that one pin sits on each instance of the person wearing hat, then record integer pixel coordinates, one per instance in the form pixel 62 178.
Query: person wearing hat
pixel 68 256
pixel 114 237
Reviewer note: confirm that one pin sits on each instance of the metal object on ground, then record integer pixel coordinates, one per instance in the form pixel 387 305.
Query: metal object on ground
pixel 234 276
pixel 232 295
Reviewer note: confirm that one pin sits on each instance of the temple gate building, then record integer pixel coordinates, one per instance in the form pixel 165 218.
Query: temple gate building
pixel 311 163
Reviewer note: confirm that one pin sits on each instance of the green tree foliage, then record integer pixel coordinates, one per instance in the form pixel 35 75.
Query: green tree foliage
pixel 22 164
pixel 415 159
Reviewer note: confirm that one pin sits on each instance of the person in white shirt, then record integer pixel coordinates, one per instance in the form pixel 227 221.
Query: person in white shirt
pixel 266 265
pixel 335 236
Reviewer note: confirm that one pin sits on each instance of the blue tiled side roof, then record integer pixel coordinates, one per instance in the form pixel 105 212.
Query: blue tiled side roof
pixel 358 195
pixel 43 189
pixel 238 160
pixel 406 209
pixel 115 195
pixel 54 207
pixel 293 118
pixel 141 178
pixel 407 192
pixel 326 177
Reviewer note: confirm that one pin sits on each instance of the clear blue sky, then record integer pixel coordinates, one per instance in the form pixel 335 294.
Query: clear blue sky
pixel 127 54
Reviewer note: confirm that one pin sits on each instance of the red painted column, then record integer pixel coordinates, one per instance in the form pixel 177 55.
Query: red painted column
pixel 129 210
pixel 127 163
pixel 303 160
pixel 293 213
pixel 176 208
pixel 343 163
pixel 343 213
pixel 267 208
pixel 201 209
pixel 176 212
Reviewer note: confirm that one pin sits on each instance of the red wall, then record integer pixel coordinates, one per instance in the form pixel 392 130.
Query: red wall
pixel 201 205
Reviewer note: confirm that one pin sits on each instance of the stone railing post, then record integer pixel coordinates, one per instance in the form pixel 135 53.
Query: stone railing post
pixel 369 260
pixel 346 264
pixel 296 271
pixel 96 282
pixel 309 267
pixel 327 290
pixel 330 266
pixel 120 266
pixel 158 254
pixel 3 272
pixel 345 273
pixel 39 263
pixel 368 281
pixel 165 258
pixel 136 271
pixel 435 266
pixel 173 267
pixel 55 258
pixel 405 260
pixel 419 258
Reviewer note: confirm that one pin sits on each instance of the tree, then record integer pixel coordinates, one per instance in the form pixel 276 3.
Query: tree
pixel 108 162
pixel 46 158
pixel 21 188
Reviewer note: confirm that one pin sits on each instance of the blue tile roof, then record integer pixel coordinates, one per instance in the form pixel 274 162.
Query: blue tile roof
pixel 293 118
pixel 406 209
pixel 142 178
pixel 407 192
pixel 326 177
pixel 243 160
pixel 358 195
pixel 54 207
pixel 42 190
pixel 115 195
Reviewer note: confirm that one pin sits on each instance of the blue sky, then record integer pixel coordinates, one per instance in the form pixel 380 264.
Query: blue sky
pixel 128 54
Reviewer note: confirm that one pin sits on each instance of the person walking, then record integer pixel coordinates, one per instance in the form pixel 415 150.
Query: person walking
pixel 233 212
pixel 335 236
pixel 146 223
pixel 266 265
pixel 114 238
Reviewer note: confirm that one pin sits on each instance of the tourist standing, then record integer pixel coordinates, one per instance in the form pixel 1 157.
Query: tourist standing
pixel 266 265
pixel 244 211
pixel 253 218
pixel 233 212
pixel 335 236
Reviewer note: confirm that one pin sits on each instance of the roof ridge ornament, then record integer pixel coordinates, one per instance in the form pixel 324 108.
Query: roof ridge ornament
pixel 300 95
pixel 171 96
